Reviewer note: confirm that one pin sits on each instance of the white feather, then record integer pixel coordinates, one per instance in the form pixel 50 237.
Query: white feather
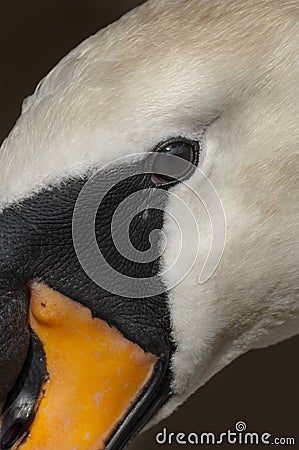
pixel 169 68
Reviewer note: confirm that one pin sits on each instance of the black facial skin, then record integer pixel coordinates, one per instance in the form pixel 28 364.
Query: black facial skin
pixel 36 243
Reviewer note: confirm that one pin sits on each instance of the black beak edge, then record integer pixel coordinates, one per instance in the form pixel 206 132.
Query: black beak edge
pixel 22 402
pixel 154 395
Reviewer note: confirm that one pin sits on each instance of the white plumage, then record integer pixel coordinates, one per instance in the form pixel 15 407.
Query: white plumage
pixel 227 70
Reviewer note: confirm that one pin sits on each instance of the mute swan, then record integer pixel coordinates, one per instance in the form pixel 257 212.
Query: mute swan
pixel 242 118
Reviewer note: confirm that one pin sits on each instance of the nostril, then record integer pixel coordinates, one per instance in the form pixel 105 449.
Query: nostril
pixel 12 435
pixel 23 399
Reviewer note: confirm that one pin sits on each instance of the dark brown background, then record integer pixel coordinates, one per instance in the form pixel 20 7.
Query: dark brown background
pixel 260 388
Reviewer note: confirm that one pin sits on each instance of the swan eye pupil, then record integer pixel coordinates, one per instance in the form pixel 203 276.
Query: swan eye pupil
pixel 169 170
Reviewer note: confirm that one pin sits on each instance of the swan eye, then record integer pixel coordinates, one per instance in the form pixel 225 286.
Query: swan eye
pixel 165 169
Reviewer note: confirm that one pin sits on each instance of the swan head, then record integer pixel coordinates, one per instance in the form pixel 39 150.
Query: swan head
pixel 209 270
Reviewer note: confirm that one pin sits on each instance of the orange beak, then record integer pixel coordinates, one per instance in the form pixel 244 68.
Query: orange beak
pixel 95 376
